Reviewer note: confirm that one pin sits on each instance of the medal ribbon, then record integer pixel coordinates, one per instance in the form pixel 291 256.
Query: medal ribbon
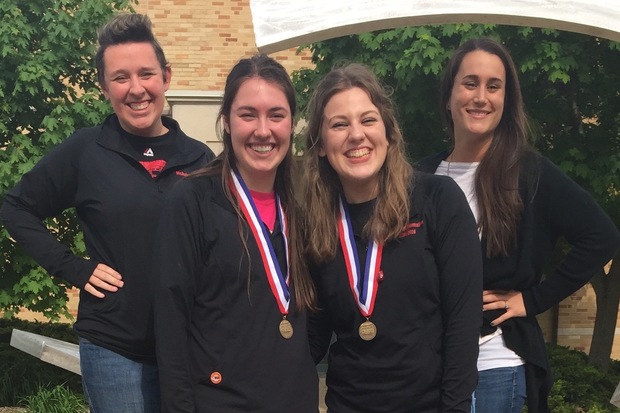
pixel 363 285
pixel 277 281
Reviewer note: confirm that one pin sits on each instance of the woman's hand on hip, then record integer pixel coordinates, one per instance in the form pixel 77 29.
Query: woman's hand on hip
pixel 103 278
pixel 511 301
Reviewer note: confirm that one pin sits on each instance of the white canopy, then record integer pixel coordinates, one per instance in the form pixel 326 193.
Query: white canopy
pixel 282 24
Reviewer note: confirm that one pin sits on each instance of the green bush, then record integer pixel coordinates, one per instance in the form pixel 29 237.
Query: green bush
pixel 58 399
pixel 22 375
pixel 579 387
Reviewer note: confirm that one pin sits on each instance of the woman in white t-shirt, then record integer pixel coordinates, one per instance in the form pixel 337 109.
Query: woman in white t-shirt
pixel 523 204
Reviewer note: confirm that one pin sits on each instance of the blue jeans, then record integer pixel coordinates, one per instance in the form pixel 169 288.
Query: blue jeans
pixel 500 390
pixel 115 384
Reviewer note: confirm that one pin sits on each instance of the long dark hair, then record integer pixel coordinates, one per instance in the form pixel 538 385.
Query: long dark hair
pixel 264 67
pixel 497 179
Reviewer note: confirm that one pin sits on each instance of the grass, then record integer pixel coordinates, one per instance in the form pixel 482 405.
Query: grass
pixel 58 399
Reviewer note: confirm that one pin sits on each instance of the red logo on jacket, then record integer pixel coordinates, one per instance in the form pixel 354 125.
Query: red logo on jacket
pixel 411 229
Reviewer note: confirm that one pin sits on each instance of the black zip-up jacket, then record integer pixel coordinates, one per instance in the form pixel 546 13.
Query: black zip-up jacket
pixel 427 311
pixel 554 206
pixel 216 319
pixel 118 205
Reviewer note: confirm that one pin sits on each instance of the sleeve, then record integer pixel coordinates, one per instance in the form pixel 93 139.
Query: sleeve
pixel 178 252
pixel 44 192
pixel 566 210
pixel 320 328
pixel 430 163
pixel 459 259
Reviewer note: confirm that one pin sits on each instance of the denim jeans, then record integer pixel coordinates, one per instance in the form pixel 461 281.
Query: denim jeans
pixel 500 390
pixel 115 384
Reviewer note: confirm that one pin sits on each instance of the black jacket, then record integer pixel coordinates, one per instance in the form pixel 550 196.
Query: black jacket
pixel 554 206
pixel 215 314
pixel 118 205
pixel 428 311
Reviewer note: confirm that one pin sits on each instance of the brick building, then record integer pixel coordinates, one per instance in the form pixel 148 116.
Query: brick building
pixel 204 38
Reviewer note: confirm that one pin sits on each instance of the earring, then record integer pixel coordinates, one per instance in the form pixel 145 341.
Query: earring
pixel 448 106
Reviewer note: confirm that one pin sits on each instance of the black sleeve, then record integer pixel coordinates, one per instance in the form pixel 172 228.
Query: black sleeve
pixel 567 210
pixel 430 163
pixel 44 192
pixel 320 328
pixel 178 260
pixel 459 260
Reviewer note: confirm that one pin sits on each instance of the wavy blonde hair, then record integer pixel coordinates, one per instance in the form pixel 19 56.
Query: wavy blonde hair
pixel 321 182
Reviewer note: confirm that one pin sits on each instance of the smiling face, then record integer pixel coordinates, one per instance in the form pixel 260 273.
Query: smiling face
pixel 477 99
pixel 353 138
pixel 135 85
pixel 260 125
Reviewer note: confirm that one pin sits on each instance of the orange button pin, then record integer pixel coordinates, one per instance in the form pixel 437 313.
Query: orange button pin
pixel 216 377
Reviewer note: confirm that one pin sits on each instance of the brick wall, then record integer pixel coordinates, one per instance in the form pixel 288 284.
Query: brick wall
pixel 203 39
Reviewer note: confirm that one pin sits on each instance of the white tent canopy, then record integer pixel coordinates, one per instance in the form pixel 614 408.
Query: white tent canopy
pixel 282 24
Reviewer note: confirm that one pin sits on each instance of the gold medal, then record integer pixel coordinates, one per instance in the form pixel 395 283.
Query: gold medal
pixel 363 280
pixel 368 330
pixel 286 329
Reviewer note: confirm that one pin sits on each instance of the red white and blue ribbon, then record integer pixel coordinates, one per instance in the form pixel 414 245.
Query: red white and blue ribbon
pixel 277 281
pixel 363 285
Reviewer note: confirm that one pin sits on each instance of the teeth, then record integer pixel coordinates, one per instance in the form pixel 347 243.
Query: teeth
pixel 478 112
pixel 358 153
pixel 138 106
pixel 262 148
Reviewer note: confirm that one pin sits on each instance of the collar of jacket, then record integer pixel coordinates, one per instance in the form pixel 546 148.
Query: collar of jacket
pixel 187 150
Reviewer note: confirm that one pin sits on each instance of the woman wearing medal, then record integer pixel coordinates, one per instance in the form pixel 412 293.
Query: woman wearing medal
pixel 230 308
pixel 394 259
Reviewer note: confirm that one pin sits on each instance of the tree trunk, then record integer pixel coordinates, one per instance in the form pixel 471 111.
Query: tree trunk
pixel 607 289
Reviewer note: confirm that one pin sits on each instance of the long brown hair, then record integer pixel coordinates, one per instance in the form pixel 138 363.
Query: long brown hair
pixel 497 179
pixel 322 185
pixel 264 67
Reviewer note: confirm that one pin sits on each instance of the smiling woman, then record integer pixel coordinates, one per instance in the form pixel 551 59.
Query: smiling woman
pixel 523 204
pixel 116 175
pixel 233 288
pixel 476 104
pixel 135 84
pixel 394 256
pixel 355 143
pixel 260 125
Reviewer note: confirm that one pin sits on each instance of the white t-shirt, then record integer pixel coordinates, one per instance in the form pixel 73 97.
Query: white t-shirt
pixel 493 351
